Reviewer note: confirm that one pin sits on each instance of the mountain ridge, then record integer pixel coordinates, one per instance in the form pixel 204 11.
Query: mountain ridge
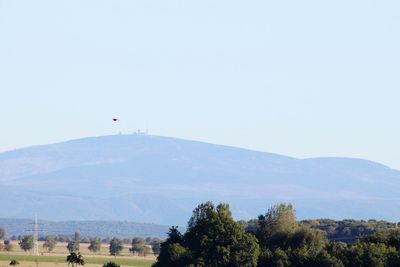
pixel 161 179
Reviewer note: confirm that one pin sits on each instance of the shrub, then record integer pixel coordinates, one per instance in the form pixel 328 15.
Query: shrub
pixel 111 264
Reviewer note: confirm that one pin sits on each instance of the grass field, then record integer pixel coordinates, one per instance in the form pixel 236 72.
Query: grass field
pixel 59 255
pixel 44 261
pixel 42 264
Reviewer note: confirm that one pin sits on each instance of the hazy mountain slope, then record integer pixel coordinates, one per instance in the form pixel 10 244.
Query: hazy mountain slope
pixel 160 179
pixel 102 229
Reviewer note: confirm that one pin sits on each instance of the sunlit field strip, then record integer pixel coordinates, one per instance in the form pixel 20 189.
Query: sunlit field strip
pixel 56 260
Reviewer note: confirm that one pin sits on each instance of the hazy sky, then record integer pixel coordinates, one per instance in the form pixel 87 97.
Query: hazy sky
pixel 301 78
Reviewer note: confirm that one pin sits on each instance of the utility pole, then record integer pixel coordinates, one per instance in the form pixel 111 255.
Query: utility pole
pixel 35 237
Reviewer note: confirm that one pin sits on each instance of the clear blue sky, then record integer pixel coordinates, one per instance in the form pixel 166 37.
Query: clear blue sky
pixel 301 78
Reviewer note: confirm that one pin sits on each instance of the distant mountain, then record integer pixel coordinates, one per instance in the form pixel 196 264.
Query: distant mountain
pixel 103 229
pixel 156 179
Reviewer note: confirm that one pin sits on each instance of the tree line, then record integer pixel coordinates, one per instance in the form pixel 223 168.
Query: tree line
pixel 336 230
pixel 71 237
pixel 276 239
pixel 139 245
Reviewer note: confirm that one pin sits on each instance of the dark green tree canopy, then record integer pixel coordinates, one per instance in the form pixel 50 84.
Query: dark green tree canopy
pixel 13 263
pixel 174 236
pixel 111 264
pixel 116 246
pixel 26 243
pixel 75 259
pixel 213 239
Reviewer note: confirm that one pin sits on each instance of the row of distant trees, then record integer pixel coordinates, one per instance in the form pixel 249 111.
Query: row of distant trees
pixel 214 239
pixel 344 230
pixel 82 239
pixel 139 245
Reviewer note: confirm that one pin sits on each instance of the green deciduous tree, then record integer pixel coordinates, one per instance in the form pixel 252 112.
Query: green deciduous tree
pixel 26 243
pixel 137 245
pixel 172 254
pixel 116 246
pixel 95 244
pixel 213 239
pixel 368 255
pixel 49 243
pixel 284 242
pixel 146 250
pixel 111 264
pixel 155 245
pixel 279 219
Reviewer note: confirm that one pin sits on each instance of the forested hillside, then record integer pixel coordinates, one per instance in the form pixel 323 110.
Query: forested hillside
pixel 347 231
